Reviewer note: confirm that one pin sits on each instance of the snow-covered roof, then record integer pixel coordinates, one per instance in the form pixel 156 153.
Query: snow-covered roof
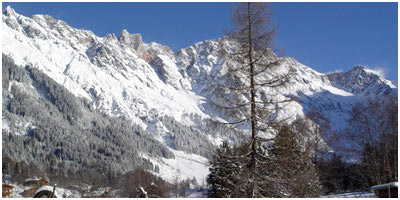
pixel 385 186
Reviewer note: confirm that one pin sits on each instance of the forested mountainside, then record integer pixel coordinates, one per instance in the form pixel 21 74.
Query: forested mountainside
pixel 44 124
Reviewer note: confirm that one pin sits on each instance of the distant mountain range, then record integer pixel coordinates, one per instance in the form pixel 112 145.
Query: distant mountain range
pixel 166 94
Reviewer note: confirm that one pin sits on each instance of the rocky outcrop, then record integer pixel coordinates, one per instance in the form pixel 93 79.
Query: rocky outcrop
pixel 133 41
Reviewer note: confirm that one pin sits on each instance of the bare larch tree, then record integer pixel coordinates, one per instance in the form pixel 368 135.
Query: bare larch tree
pixel 252 69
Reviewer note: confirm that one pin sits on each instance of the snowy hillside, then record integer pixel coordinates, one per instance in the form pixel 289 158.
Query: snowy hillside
pixel 143 82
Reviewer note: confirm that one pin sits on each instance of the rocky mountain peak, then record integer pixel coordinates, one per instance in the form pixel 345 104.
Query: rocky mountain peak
pixel 9 11
pixel 111 36
pixel 361 80
pixel 358 68
pixel 133 41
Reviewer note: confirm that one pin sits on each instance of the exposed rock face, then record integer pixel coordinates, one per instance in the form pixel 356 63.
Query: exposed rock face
pixel 133 41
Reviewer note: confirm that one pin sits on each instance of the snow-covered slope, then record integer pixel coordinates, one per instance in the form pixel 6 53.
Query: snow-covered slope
pixel 109 72
pixel 106 70
pixel 204 64
pixel 125 77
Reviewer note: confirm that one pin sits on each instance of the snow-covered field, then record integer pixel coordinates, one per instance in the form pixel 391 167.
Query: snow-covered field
pixel 184 166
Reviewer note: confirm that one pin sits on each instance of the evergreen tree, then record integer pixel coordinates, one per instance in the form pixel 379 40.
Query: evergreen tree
pixel 224 172
pixel 294 164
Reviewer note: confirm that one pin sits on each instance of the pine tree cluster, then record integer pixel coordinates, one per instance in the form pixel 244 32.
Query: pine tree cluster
pixel 284 169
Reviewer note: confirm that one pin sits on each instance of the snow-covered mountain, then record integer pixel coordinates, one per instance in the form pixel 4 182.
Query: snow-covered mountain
pixel 362 81
pixel 125 77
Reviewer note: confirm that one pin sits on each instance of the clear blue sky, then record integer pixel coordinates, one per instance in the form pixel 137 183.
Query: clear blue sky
pixel 324 36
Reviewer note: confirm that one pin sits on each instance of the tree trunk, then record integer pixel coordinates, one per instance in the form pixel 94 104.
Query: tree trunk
pixel 252 106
